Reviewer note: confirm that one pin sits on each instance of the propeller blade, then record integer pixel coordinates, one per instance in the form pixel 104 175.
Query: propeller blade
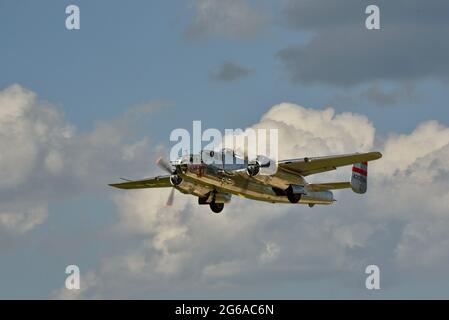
pixel 165 165
pixel 171 197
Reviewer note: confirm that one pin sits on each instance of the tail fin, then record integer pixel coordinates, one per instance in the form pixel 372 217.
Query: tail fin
pixel 359 177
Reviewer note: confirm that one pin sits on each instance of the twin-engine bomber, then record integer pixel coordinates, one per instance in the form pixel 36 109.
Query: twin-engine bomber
pixel 214 182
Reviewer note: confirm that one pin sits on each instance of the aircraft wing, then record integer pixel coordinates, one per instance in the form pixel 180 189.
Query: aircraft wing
pixel 156 182
pixel 328 186
pixel 308 166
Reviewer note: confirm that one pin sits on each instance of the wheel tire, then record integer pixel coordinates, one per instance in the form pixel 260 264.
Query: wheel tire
pixel 216 207
pixel 293 198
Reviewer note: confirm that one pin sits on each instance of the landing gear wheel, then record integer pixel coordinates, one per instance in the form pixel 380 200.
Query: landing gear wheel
pixel 292 197
pixel 216 207
pixel 311 205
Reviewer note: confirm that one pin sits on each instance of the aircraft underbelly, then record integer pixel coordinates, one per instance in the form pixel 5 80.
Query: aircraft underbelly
pixel 246 187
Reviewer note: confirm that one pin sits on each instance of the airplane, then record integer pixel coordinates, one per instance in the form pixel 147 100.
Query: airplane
pixel 214 182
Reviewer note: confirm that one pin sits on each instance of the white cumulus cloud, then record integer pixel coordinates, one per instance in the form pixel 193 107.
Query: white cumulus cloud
pixel 43 157
pixel 400 224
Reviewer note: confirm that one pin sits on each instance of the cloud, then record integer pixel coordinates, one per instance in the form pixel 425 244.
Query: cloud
pixel 23 218
pixel 411 45
pixel 317 132
pixel 88 281
pixel 233 18
pixel 402 150
pixel 230 71
pixel 377 94
pixel 44 157
pixel 400 224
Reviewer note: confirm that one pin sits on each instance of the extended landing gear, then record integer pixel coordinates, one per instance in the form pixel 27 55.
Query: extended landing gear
pixel 211 200
pixel 216 207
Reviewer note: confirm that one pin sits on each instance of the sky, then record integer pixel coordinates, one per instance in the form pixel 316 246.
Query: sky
pixel 81 108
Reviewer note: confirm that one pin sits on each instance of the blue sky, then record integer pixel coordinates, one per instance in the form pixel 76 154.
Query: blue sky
pixel 142 53
pixel 126 55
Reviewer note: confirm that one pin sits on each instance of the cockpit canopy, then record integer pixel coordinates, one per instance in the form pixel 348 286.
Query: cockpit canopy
pixel 217 157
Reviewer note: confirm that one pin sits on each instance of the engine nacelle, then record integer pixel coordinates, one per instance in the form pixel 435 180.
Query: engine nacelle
pixel 297 189
pixel 295 192
pixel 175 180
pixel 217 197
pixel 318 197
pixel 298 193
pixel 221 197
pixel 262 165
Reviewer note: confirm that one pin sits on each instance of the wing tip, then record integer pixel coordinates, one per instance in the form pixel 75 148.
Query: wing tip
pixel 116 185
pixel 377 155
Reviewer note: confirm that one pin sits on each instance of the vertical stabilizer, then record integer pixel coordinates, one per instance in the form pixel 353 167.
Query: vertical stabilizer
pixel 359 177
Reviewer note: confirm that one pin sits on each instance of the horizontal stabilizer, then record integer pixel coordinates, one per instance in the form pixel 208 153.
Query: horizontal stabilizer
pixel 328 186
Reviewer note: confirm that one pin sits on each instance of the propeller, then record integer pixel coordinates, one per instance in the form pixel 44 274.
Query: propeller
pixel 253 168
pixel 171 198
pixel 165 165
pixel 174 178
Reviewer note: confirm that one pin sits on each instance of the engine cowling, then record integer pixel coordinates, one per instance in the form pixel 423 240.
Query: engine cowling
pixel 221 197
pixel 175 180
pixel 261 166
pixel 295 192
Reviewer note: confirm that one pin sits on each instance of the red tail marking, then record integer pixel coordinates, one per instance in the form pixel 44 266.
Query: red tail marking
pixel 361 171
